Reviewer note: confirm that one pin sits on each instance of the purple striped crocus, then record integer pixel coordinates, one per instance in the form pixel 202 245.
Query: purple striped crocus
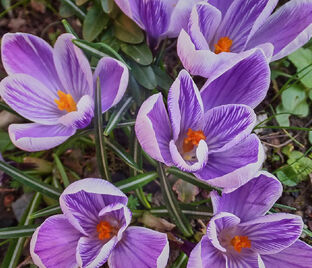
pixel 93 230
pixel 242 234
pixel 159 18
pixel 219 29
pixel 208 133
pixel 54 88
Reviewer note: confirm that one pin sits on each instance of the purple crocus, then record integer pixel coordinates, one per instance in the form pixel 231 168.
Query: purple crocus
pixel 207 133
pixel 93 230
pixel 242 234
pixel 54 88
pixel 159 18
pixel 219 29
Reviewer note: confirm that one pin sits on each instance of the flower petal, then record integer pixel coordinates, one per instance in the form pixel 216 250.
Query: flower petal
pixel 227 125
pixel 30 98
pixel 153 129
pixel 114 77
pixel 190 166
pixel 253 199
pixel 271 234
pixel 239 21
pixel 205 255
pixel 29 54
pixel 232 168
pixel 72 67
pixel 298 255
pixel 92 252
pixel 82 117
pixel 180 16
pixel 222 5
pixel 287 29
pixel 247 82
pixel 83 200
pixel 243 259
pixel 55 235
pixel 36 137
pixel 184 105
pixel 140 247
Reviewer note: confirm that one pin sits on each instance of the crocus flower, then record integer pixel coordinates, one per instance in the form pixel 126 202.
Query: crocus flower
pixel 219 29
pixel 242 234
pixel 205 133
pixel 54 88
pixel 93 230
pixel 159 18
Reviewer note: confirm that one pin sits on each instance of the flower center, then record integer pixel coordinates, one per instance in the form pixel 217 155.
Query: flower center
pixel 105 230
pixel 193 138
pixel 239 242
pixel 66 102
pixel 224 45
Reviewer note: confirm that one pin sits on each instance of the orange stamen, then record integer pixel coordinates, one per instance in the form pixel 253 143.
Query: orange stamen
pixel 193 138
pixel 224 45
pixel 66 102
pixel 105 230
pixel 239 242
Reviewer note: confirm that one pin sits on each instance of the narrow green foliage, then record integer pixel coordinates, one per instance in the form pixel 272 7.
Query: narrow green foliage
pixel 181 261
pixel 16 232
pixel 48 211
pixel 61 169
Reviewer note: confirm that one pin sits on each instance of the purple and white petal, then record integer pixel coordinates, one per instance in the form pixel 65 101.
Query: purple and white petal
pixel 246 259
pixel 180 16
pixel 55 235
pixel 287 29
pixel 93 252
pixel 153 129
pixel 239 21
pixel 222 5
pixel 185 105
pixel 83 200
pixel 140 247
pixel 227 125
pixel 72 67
pixel 29 54
pixel 114 77
pixel 232 168
pixel 205 255
pixel 30 98
pixel 203 23
pixel 36 137
pixel 298 255
pixel 190 166
pixel 82 117
pixel 271 234
pixel 247 82
pixel 219 222
pixel 253 199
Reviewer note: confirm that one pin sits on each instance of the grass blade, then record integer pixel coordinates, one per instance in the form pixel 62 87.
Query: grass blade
pixel 33 183
pixel 68 28
pixel 51 210
pixel 80 14
pixel 172 204
pixel 16 232
pixel 61 169
pixel 181 261
pixel 136 182
pixel 101 155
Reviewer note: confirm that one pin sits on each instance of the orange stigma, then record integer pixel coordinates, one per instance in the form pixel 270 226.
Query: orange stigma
pixel 193 138
pixel 239 242
pixel 224 45
pixel 105 230
pixel 66 102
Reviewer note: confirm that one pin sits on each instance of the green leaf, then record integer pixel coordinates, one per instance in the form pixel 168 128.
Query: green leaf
pixel 181 261
pixel 81 2
pixel 301 58
pixel 122 154
pixel 5 142
pixel 301 164
pixel 16 232
pixel 135 182
pixel 48 211
pixel 101 155
pixel 68 28
pixel 162 78
pixel 107 5
pixel 127 31
pixel 98 50
pixel 95 22
pixel 191 179
pixel 117 115
pixel 109 39
pixel 283 117
pixel 144 75
pixel 65 10
pixel 61 169
pixel 287 176
pixel 139 53
pixel 80 14
pixel 172 205
pixel 33 183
